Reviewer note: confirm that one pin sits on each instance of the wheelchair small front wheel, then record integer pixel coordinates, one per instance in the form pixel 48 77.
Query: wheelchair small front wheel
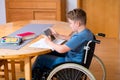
pixel 70 71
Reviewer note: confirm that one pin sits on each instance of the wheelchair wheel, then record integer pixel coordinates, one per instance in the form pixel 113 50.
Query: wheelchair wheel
pixel 97 67
pixel 70 71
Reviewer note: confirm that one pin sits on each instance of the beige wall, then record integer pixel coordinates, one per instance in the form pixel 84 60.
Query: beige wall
pixel 2 12
pixel 71 4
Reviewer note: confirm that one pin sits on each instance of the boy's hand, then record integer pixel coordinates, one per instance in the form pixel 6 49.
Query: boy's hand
pixel 54 32
pixel 47 38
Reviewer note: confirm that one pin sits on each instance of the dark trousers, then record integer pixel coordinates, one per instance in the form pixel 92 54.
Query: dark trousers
pixel 46 61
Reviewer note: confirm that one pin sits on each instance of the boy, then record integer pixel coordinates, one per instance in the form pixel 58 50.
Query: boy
pixel 71 51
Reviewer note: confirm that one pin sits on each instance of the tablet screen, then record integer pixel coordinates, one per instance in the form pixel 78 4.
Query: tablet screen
pixel 48 32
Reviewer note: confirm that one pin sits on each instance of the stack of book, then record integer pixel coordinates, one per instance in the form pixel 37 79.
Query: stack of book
pixel 26 35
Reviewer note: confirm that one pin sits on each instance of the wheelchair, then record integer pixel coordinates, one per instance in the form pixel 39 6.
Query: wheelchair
pixel 77 71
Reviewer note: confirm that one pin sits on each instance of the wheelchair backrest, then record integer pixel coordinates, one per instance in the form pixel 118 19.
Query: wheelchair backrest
pixel 88 52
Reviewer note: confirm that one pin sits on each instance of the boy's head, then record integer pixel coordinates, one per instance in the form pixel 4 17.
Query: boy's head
pixel 77 15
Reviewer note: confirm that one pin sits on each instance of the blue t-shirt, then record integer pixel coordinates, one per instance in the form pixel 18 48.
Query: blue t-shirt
pixel 76 44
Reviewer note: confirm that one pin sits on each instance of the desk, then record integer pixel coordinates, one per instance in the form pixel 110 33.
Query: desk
pixel 27 52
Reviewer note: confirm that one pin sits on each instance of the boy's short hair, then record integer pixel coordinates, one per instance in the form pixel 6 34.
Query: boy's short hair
pixel 77 14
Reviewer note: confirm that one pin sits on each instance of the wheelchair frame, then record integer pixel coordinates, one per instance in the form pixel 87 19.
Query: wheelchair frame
pixel 81 67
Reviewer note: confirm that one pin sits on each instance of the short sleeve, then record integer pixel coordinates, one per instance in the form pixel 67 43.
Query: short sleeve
pixel 75 41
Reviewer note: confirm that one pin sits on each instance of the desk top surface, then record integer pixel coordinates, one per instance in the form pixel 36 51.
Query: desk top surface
pixel 8 28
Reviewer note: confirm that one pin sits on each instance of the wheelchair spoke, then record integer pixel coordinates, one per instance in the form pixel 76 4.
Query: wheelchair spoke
pixel 76 75
pixel 62 75
pixel 69 74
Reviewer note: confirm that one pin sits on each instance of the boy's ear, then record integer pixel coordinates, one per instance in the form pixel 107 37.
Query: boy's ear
pixel 78 23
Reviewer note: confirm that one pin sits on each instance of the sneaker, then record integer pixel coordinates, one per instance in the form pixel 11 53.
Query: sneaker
pixel 24 79
pixel 21 78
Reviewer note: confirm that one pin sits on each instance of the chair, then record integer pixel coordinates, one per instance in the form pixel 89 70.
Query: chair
pixel 4 63
pixel 77 71
pixel 13 72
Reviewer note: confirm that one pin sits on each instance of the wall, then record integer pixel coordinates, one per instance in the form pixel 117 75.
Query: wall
pixel 71 4
pixel 2 12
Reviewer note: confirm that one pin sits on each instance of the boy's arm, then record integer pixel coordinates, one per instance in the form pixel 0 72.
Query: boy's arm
pixel 59 48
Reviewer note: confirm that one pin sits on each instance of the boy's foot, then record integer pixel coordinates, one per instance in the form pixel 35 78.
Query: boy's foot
pixel 21 78
pixel 24 79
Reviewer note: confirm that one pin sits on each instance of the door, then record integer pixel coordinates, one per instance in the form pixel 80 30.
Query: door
pixel 103 16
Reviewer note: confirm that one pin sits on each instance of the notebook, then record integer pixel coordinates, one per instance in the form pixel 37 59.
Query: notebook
pixel 26 35
pixel 42 44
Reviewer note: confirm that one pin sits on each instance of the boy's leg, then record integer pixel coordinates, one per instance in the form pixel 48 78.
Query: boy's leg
pixel 57 54
pixel 42 61
pixel 45 59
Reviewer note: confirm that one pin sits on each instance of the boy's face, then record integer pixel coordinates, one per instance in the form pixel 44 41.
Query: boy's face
pixel 73 24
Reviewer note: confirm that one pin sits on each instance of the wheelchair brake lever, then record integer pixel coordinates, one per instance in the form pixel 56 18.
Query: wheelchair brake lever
pixel 96 41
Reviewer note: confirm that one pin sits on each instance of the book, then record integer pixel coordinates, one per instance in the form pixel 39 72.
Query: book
pixel 26 35
pixel 41 44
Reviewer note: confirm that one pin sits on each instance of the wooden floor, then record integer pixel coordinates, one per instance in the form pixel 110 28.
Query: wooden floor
pixel 108 51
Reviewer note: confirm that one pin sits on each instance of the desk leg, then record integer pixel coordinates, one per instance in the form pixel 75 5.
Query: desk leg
pixel 28 74
pixel 6 70
pixel 13 70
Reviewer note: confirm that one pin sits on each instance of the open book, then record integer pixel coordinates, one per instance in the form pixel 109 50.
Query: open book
pixel 41 44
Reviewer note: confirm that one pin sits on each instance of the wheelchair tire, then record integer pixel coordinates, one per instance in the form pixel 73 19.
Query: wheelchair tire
pixel 70 71
pixel 102 66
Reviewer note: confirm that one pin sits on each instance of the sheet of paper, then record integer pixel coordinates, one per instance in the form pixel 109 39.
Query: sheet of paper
pixel 40 44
